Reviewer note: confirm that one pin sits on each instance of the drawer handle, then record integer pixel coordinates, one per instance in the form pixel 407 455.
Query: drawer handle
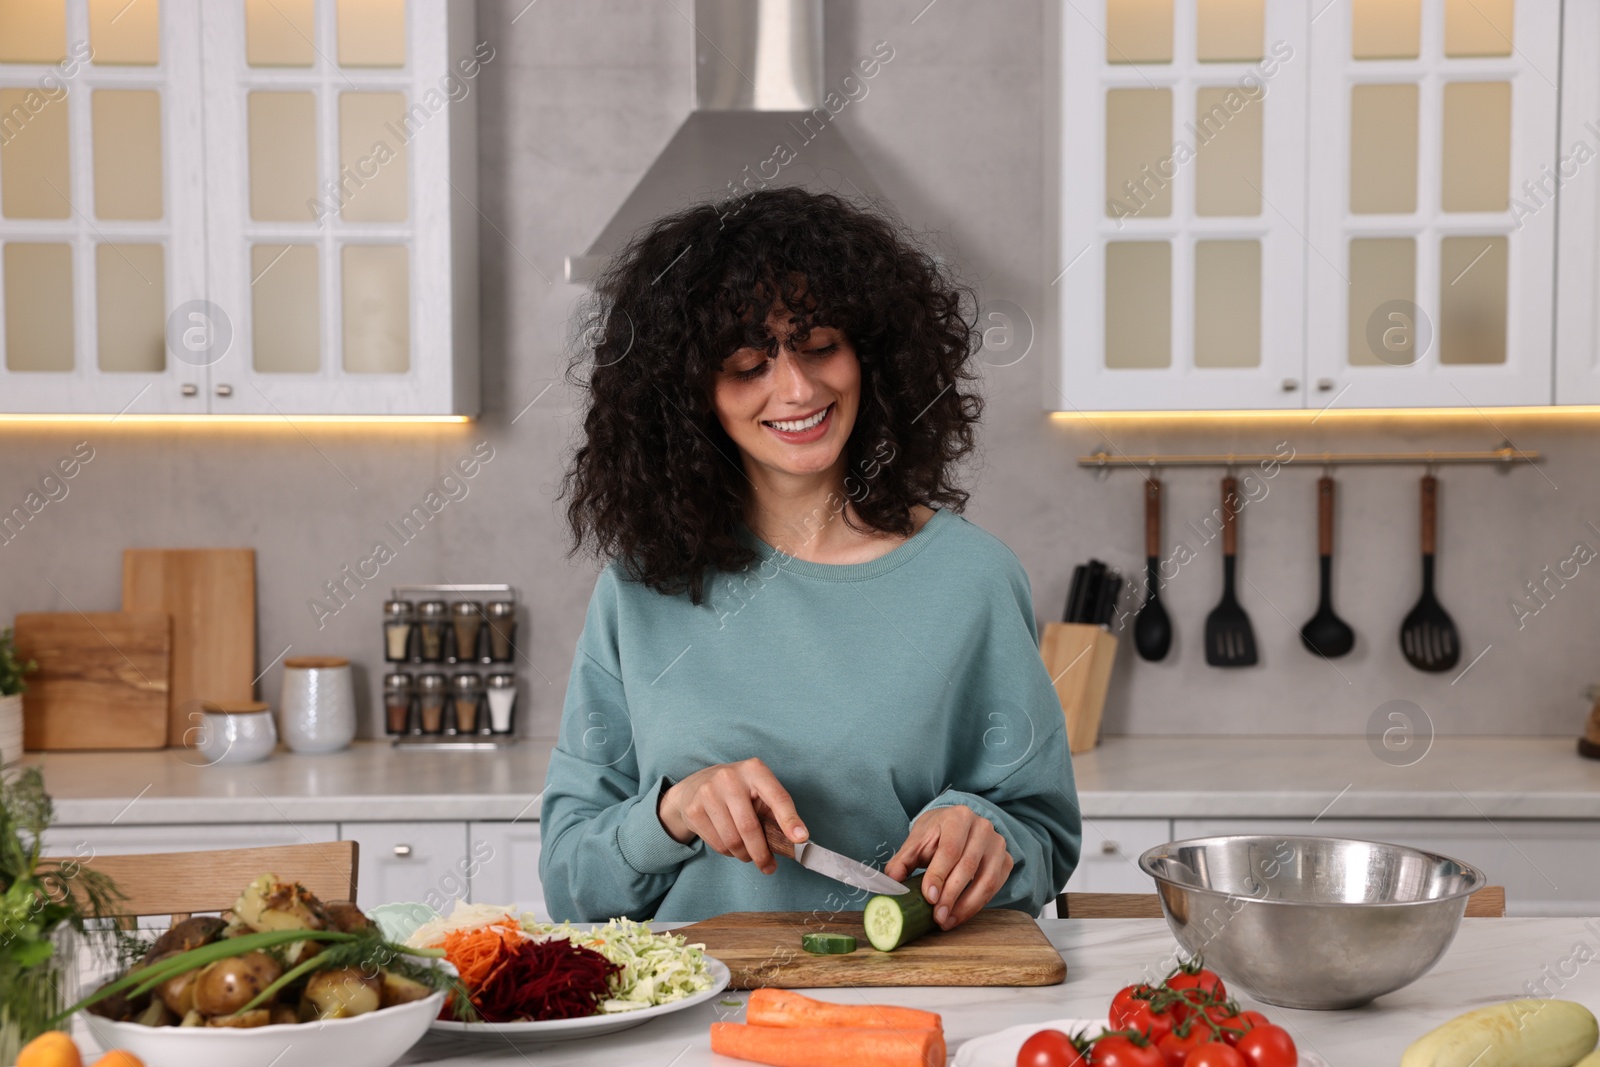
pixel 402 851
pixel 1110 848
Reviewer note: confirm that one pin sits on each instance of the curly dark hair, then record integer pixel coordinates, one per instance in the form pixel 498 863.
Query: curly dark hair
pixel 657 482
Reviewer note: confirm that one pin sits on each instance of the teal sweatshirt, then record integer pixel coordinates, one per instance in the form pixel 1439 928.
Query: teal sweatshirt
pixel 874 691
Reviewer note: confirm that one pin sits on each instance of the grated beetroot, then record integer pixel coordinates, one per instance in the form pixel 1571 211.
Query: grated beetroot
pixel 540 980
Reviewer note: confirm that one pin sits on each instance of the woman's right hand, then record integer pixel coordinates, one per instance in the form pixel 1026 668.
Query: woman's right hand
pixel 719 806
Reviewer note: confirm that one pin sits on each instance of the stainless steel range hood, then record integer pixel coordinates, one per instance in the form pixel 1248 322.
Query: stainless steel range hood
pixel 760 120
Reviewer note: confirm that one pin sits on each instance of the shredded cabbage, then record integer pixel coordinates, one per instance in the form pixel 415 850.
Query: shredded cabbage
pixel 657 968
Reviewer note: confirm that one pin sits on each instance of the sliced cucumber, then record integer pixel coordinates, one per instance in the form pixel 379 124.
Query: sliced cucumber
pixel 825 944
pixel 894 921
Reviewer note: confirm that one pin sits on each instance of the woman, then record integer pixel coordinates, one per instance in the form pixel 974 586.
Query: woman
pixel 794 622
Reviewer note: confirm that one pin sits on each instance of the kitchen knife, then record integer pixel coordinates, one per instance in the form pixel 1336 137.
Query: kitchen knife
pixel 1094 589
pixel 1075 595
pixel 830 864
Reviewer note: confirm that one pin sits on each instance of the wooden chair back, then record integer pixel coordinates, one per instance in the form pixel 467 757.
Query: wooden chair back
pixel 1487 903
pixel 182 883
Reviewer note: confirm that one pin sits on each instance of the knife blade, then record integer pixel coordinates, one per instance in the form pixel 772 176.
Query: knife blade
pixel 830 864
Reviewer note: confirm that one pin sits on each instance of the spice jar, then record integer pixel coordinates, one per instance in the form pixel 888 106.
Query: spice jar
pixel 467 689
pixel 397 702
pixel 431 616
pixel 398 618
pixel 502 631
pixel 502 695
pixel 467 617
pixel 431 695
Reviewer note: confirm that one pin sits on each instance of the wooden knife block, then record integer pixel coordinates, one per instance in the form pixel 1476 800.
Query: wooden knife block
pixel 1078 656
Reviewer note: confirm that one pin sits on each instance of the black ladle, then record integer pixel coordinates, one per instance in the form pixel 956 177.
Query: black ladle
pixel 1326 634
pixel 1152 630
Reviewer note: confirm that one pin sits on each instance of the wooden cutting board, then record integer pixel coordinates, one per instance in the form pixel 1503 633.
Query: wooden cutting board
pixel 102 680
pixel 211 595
pixel 996 947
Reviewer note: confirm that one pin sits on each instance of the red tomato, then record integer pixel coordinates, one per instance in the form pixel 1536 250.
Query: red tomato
pixel 1176 1049
pixel 1049 1048
pixel 1126 998
pixel 1215 1054
pixel 1268 1046
pixel 1204 980
pixel 1119 1051
pixel 1254 1018
pixel 1143 1017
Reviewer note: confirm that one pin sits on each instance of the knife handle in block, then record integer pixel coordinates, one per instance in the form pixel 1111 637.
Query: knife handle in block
pixel 777 840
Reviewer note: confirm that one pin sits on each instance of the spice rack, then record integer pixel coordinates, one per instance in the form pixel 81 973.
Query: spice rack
pixel 450 681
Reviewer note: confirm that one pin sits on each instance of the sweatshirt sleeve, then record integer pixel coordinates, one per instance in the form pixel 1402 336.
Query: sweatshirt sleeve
pixel 604 852
pixel 1015 769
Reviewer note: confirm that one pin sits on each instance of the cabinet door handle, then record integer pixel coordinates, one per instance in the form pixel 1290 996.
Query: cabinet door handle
pixel 1325 384
pixel 402 851
pixel 1291 384
pixel 190 389
pixel 224 390
pixel 1109 848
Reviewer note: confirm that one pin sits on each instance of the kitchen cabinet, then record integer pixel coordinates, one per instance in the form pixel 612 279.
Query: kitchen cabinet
pixel 243 208
pixel 1286 206
pixel 83 842
pixel 1547 866
pixel 505 865
pixel 1109 862
pixel 424 862
pixel 1578 293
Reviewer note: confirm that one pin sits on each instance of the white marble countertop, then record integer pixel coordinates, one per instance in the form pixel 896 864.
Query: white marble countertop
pixel 1126 777
pixel 1491 960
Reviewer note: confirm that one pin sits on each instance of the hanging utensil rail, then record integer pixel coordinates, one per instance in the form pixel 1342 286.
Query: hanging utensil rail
pixel 1505 456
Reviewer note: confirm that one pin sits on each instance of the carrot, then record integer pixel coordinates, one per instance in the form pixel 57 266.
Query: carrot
pixel 783 1046
pixel 781 1007
pixel 475 951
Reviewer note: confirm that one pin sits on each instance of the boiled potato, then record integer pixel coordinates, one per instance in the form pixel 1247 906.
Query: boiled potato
pixel 283 1015
pixel 345 916
pixel 177 993
pixel 268 904
pixel 343 992
pixel 1518 1033
pixel 398 989
pixel 242 1021
pixel 229 984
pixel 191 933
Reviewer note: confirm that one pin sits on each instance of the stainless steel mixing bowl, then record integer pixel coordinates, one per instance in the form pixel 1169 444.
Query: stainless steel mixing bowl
pixel 1311 922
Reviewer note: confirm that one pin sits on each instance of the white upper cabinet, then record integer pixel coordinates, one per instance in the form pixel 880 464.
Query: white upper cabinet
pixel 1578 294
pixel 1282 204
pixel 252 207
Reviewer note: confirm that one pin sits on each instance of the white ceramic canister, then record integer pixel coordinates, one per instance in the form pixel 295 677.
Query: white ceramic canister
pixel 318 710
pixel 10 729
pixel 236 733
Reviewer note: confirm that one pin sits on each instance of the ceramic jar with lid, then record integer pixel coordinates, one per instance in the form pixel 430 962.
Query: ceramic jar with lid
pixel 242 732
pixel 318 709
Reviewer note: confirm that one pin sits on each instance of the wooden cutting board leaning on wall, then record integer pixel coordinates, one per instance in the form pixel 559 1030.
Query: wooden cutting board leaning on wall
pixel 101 683
pixel 996 947
pixel 211 595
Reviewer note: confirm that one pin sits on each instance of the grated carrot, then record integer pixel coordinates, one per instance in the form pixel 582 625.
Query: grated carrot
pixel 476 951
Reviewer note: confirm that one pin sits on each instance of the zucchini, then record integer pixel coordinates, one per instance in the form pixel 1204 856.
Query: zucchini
pixel 1518 1033
pixel 825 944
pixel 892 921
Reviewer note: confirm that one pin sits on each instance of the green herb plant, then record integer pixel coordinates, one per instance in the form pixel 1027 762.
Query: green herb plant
pixel 11 668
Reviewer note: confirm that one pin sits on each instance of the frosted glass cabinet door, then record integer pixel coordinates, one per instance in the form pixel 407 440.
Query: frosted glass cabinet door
pixel 101 207
pixel 1432 252
pixel 1178 279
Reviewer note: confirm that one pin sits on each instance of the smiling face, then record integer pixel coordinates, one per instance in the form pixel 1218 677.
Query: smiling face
pixel 791 414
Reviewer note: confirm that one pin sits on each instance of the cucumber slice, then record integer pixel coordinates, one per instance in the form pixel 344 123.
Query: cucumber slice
pixel 894 921
pixel 824 944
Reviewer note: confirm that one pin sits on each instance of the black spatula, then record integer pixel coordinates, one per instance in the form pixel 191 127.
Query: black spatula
pixel 1428 636
pixel 1230 642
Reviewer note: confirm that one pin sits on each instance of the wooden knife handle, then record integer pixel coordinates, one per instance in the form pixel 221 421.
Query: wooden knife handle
pixel 1152 518
pixel 1430 512
pixel 777 840
pixel 1325 516
pixel 1230 513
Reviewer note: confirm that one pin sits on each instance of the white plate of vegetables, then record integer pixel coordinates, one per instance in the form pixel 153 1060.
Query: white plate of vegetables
pixel 535 981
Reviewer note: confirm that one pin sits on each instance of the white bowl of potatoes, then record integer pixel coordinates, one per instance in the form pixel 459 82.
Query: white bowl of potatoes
pixel 289 1003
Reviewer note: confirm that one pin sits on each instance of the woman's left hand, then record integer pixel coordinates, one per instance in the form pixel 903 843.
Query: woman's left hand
pixel 965 857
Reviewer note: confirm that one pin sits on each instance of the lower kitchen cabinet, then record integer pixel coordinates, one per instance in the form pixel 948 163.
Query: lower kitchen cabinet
pixel 505 859
pixel 424 862
pixel 1547 866
pixel 1109 862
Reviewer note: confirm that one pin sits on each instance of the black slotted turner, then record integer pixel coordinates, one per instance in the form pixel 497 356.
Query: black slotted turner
pixel 1230 642
pixel 1428 636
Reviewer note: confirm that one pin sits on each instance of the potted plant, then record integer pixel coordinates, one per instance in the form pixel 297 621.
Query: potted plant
pixel 11 689
pixel 44 906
